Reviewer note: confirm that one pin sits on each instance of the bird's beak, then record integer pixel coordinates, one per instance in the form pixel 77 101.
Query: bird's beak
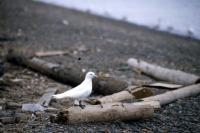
pixel 95 76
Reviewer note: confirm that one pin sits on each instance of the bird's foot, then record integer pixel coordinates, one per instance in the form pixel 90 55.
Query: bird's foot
pixel 81 105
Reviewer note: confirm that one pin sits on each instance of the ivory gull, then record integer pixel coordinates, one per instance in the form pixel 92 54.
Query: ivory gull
pixel 81 91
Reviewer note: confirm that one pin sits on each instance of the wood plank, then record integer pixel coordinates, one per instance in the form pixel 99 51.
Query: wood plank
pixel 46 98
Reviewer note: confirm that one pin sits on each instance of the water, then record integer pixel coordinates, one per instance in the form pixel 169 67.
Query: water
pixel 175 16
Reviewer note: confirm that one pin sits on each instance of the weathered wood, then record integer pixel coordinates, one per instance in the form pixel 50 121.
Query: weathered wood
pixel 164 86
pixel 51 53
pixel 46 98
pixel 106 112
pixel 133 92
pixel 165 74
pixel 172 96
pixel 154 104
pixel 69 74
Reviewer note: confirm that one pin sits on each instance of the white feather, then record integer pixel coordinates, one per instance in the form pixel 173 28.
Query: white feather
pixel 81 91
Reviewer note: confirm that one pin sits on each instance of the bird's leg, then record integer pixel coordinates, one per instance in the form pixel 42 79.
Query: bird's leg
pixel 81 105
pixel 123 105
pixel 101 105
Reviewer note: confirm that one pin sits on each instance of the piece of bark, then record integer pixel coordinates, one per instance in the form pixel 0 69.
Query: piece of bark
pixel 133 92
pixel 164 86
pixel 106 112
pixel 46 98
pixel 50 53
pixel 172 96
pixel 165 74
pixel 70 74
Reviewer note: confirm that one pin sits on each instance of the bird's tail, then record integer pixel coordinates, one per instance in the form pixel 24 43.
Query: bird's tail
pixel 59 96
pixel 56 96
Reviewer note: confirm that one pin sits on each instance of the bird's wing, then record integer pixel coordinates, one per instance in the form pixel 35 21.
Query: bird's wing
pixel 71 94
pixel 77 92
pixel 80 91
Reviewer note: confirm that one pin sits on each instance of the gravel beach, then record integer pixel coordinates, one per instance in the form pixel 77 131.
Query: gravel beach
pixel 97 44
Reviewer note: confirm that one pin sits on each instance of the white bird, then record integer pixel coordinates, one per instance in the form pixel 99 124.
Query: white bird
pixel 81 91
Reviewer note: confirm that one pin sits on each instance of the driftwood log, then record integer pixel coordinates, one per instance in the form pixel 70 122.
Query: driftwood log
pixel 133 92
pixel 172 96
pixel 70 74
pixel 174 76
pixel 51 53
pixel 163 86
pixel 106 112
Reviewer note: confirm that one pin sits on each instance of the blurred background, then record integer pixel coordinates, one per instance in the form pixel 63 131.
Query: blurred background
pixel 175 16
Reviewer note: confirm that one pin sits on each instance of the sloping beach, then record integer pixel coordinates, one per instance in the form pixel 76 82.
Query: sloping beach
pixel 101 45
